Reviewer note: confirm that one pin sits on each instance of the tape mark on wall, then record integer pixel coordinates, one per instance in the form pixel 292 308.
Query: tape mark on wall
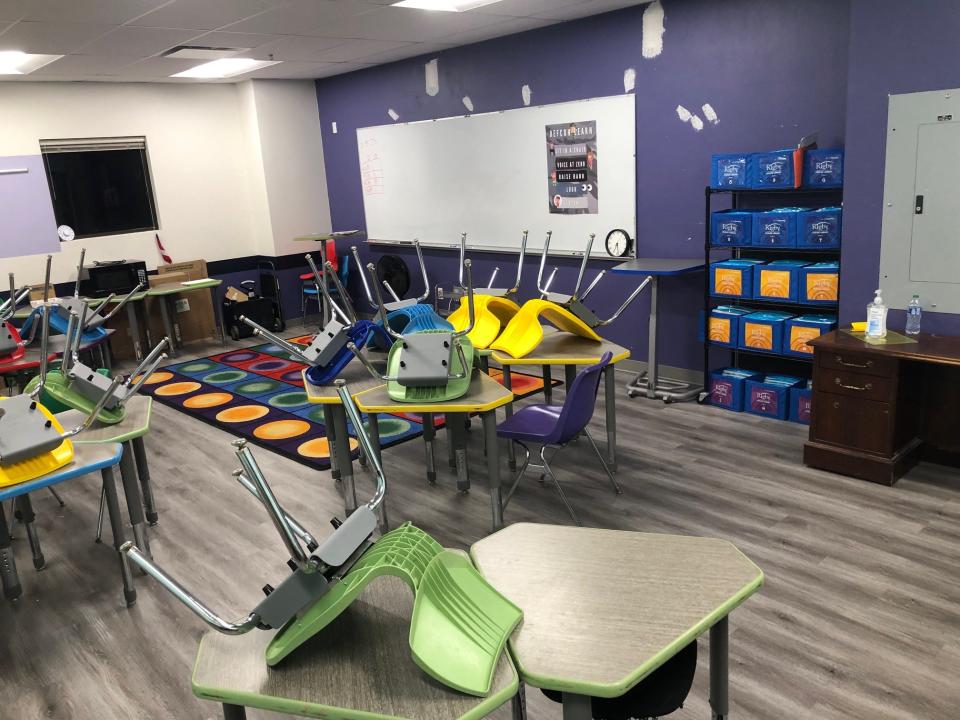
pixel 653 30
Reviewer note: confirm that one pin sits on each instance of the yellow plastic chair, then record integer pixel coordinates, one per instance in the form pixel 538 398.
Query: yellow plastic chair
pixel 492 314
pixel 524 332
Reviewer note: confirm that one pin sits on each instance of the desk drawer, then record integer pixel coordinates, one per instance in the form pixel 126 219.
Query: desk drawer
pixel 854 384
pixel 870 364
pixel 852 422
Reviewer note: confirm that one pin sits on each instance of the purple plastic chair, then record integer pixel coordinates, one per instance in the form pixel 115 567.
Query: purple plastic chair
pixel 555 426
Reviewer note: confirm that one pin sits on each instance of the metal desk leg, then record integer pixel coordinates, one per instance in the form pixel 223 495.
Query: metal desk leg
pixel 168 326
pixel 429 436
pixel 134 329
pixel 131 491
pixel 508 408
pixel 577 707
pixel 8 565
pixel 146 485
pixel 518 704
pixel 23 511
pixel 652 342
pixel 344 461
pixel 483 360
pixel 234 712
pixel 331 442
pixel 547 385
pixel 456 427
pixel 119 537
pixel 610 400
pixel 719 665
pixel 489 419
pixel 218 312
pixel 569 374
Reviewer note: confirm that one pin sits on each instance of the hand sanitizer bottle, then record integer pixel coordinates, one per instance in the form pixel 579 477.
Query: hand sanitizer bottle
pixel 877 317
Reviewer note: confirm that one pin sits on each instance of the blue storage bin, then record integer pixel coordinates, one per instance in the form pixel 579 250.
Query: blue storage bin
pixel 732 228
pixel 778 280
pixel 776 228
pixel 730 171
pixel 775 170
pixel 800 330
pixel 819 228
pixel 727 387
pixel 823 168
pixel 770 397
pixel 732 278
pixel 820 283
pixel 801 403
pixel 763 331
pixel 723 325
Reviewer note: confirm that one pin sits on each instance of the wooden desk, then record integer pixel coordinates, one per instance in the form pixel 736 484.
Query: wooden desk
pixel 358 668
pixel 568 350
pixel 602 609
pixel 878 409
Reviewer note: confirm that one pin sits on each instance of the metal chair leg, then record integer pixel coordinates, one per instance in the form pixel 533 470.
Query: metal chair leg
pixel 606 468
pixel 103 500
pixel 57 496
pixel 523 469
pixel 553 477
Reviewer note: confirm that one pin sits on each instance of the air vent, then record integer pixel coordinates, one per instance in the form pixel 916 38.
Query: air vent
pixel 198 52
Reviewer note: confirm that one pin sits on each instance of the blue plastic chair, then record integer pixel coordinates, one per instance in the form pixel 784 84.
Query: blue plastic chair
pixel 556 426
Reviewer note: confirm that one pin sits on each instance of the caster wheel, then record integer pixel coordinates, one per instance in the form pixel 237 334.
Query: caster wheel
pixel 279 325
pixel 39 563
pixel 234 332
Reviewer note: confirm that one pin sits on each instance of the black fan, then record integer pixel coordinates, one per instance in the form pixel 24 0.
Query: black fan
pixel 392 269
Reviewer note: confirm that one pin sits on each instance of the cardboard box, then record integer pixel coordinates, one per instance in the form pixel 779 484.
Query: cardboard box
pixel 198 322
pixel 236 295
pixel 167 278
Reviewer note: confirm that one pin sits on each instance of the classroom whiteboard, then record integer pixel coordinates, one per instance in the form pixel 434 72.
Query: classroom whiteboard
pixel 489 175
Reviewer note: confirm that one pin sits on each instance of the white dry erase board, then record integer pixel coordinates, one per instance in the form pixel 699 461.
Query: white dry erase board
pixel 492 176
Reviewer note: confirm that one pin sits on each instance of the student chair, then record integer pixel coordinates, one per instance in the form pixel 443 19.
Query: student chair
pixel 556 426
pixel 309 291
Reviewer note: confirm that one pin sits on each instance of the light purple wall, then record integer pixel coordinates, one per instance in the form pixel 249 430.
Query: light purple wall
pixel 895 47
pixel 27 225
pixel 774 70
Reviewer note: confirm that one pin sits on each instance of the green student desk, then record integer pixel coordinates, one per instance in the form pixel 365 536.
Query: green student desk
pixel 568 350
pixel 133 463
pixel 602 609
pixel 358 668
pixel 165 293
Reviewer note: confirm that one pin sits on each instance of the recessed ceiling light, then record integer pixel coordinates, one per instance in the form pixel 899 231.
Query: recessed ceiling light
pixel 444 5
pixel 14 62
pixel 225 67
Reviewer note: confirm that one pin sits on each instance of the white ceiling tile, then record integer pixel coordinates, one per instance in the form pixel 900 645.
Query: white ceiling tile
pixel 354 50
pixel 114 12
pixel 138 42
pixel 408 51
pixel 301 17
pixel 290 70
pixel 584 9
pixel 342 68
pixel 221 39
pixel 157 67
pixel 297 48
pixel 56 38
pixel 522 8
pixel 507 27
pixel 392 23
pixel 203 14
pixel 70 66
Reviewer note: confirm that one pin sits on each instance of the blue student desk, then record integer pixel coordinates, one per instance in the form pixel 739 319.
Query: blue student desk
pixel 649 382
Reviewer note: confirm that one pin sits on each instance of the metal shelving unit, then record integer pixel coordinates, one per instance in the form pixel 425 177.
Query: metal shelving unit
pixel 761 200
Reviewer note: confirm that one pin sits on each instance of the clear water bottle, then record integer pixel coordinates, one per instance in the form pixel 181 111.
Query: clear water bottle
pixel 914 311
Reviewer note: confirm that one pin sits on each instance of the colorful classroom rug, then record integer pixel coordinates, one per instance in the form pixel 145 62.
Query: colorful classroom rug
pixel 257 393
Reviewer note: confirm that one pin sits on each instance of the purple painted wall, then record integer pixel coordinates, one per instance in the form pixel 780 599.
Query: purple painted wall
pixel 773 70
pixel 27 225
pixel 895 47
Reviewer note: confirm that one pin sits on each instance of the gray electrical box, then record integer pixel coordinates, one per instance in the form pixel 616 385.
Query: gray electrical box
pixel 920 242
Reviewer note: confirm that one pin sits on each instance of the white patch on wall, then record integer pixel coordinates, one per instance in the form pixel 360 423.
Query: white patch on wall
pixel 696 122
pixel 629 80
pixel 653 30
pixel 431 73
pixel 333 126
pixel 468 103
pixel 683 114
pixel 526 93
pixel 394 115
pixel 710 114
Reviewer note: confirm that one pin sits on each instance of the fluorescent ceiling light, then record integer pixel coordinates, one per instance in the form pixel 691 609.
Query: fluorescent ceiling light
pixel 444 5
pixel 14 62
pixel 225 67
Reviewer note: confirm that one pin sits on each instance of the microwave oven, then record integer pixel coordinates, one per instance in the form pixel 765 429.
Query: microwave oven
pixel 118 277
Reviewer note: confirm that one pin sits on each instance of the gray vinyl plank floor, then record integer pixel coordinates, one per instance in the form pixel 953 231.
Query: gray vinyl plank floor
pixel 859 617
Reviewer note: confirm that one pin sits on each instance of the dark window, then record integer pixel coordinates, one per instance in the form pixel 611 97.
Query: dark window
pixel 100 187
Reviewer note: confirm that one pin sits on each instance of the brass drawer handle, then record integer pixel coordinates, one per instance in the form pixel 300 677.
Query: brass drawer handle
pixel 868 386
pixel 839 360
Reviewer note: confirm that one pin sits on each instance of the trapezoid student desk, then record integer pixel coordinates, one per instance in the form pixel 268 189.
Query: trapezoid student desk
pixel 165 292
pixel 86 459
pixel 602 609
pixel 133 317
pixel 650 383
pixel 358 668
pixel 17 373
pixel 568 350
